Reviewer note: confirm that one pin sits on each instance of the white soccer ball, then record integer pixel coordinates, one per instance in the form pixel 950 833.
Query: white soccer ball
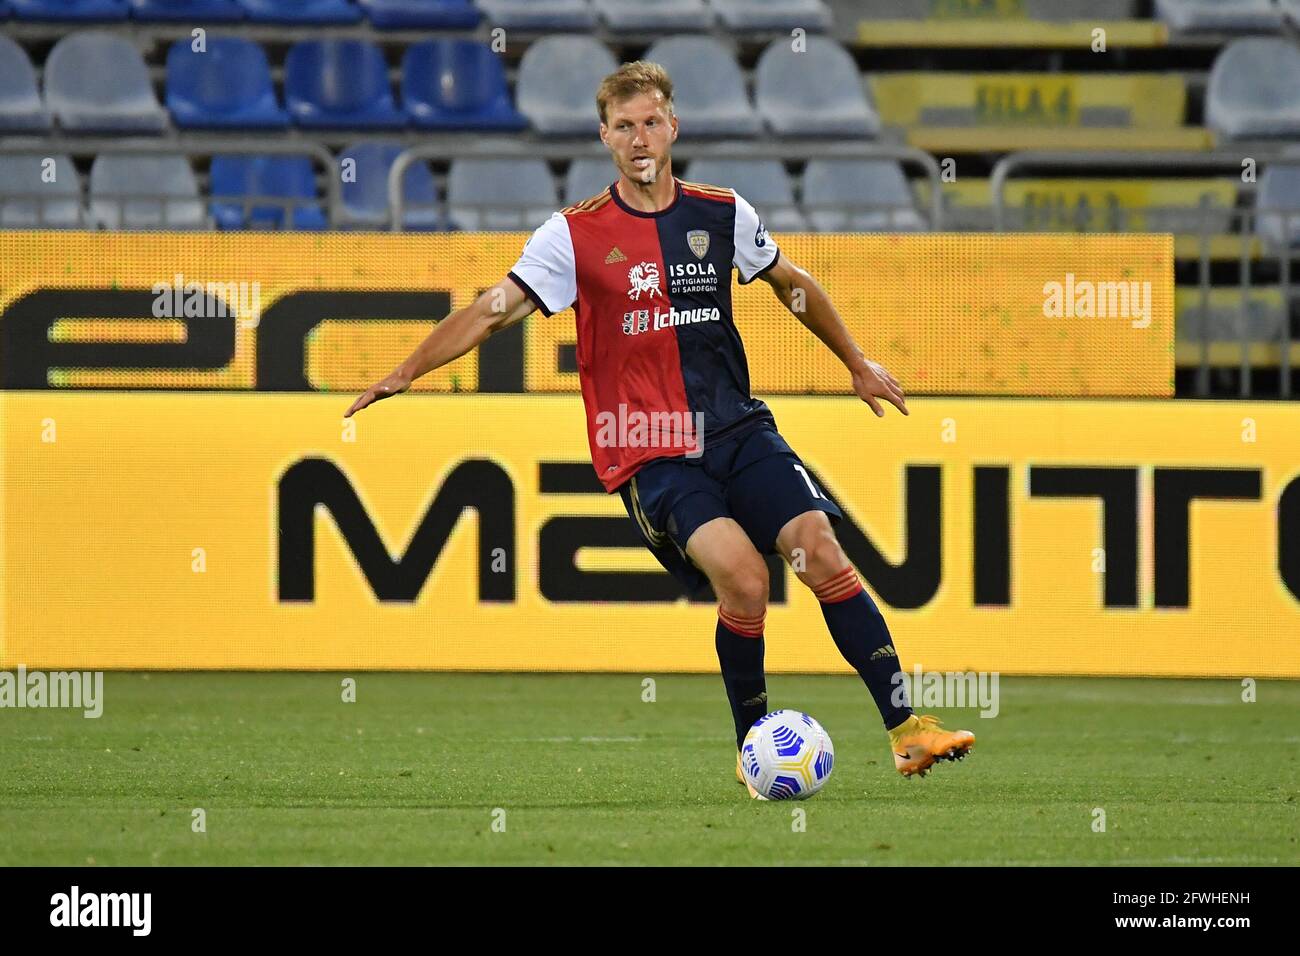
pixel 787 756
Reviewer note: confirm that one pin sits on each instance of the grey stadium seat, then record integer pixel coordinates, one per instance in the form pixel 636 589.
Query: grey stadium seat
pixel 1291 10
pixel 27 201
pixel 98 82
pixel 556 84
pixel 1277 202
pixel 539 14
pixel 655 16
pixel 762 182
pixel 1254 89
pixel 21 108
pixel 1261 321
pixel 500 194
pixel 773 14
pixel 587 177
pixel 144 192
pixel 1191 15
pixel 814 93
pixel 859 195
pixel 708 87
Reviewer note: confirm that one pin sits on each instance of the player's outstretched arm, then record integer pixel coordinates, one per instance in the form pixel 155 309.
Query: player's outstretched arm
pixel 497 308
pixel 804 296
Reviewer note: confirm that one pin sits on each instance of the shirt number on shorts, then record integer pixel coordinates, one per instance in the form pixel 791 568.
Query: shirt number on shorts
pixel 811 486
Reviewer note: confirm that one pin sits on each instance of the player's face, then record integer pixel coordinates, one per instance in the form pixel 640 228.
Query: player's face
pixel 640 133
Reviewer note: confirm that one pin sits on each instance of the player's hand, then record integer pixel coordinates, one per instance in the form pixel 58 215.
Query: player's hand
pixel 394 384
pixel 872 381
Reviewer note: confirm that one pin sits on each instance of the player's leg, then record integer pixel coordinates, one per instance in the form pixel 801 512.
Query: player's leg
pixel 721 549
pixel 858 628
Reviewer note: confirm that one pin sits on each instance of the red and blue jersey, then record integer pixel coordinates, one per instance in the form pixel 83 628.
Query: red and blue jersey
pixel 662 367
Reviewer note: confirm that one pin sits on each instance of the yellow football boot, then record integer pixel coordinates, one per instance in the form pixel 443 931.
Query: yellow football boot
pixel 919 741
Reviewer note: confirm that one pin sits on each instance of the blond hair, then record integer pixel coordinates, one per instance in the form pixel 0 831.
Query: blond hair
pixel 641 76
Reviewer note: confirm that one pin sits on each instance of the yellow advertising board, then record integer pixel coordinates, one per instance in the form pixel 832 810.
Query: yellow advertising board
pixel 947 313
pixel 247 530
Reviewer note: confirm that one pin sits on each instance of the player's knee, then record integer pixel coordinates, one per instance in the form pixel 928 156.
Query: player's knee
pixel 743 588
pixel 816 554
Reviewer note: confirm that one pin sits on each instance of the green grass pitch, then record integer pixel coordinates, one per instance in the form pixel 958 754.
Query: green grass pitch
pixel 588 773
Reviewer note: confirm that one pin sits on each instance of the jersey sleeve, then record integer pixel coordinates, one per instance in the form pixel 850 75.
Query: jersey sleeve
pixel 756 251
pixel 545 270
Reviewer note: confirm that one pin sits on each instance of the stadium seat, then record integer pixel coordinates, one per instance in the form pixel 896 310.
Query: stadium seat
pixel 539 14
pixel 31 199
pixel 859 195
pixel 556 82
pixel 283 178
pixel 588 177
pixel 21 109
pixel 64 10
pixel 500 194
pixel 144 192
pixel 1220 15
pixel 1225 320
pixel 227 86
pixel 457 84
pixel 798 101
pixel 301 11
pixel 1277 202
pixel 365 194
pixel 708 87
pixel 1291 10
pixel 1254 89
pixel 339 84
pixel 811 15
pixel 97 82
pixel 762 182
pixel 655 16
pixel 409 14
pixel 186 11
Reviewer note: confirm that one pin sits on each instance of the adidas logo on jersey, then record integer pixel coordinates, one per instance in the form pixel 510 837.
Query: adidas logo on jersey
pixel 615 255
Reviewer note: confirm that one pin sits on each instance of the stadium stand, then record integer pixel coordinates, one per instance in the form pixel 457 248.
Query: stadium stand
pixel 540 14
pixel 340 84
pixel 708 86
pixel 365 189
pixel 243 181
pixel 500 194
pixel 301 11
pixel 827 101
pixel 70 10
pixel 657 16
pixel 763 183
pixel 1220 14
pixel 39 192
pixel 556 78
pixel 847 195
pixel 779 15
pixel 186 11
pixel 1254 89
pixel 421 14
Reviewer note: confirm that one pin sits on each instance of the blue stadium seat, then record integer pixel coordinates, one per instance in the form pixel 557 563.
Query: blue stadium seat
pixel 227 86
pixel 457 84
pixel 763 183
pixel 186 11
pixel 4 9
pixel 284 178
pixel 148 191
pixel 708 87
pixel 341 84
pixel 301 11
pixel 556 82
pixel 655 16
pixel 798 101
pixel 21 109
pixel 365 193
pixel 32 199
pixel 1254 89
pixel 97 82
pixel 435 14
pixel 540 14
pixel 80 10
pixel 496 194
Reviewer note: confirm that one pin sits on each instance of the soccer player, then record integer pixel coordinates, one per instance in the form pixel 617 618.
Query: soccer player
pixel 673 429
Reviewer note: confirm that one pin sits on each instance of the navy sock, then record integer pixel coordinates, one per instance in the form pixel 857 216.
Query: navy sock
pixel 740 652
pixel 863 639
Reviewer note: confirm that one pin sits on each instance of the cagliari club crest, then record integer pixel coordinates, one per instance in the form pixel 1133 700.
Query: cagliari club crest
pixel 698 240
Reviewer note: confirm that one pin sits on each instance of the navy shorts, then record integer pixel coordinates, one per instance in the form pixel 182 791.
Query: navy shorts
pixel 753 477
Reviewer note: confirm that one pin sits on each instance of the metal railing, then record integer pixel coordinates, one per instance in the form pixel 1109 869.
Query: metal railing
pixel 1206 223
